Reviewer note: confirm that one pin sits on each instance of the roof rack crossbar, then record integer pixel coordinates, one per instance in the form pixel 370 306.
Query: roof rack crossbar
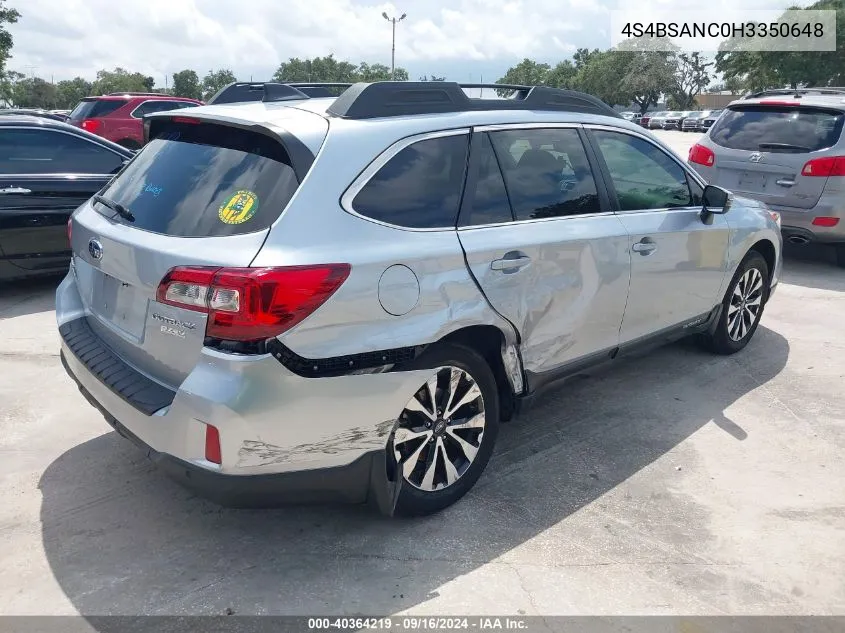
pixel 398 98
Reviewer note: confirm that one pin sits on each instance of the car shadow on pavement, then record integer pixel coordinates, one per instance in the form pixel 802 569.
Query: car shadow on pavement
pixel 122 539
pixel 812 266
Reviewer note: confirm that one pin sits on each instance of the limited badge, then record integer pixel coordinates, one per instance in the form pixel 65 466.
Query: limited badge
pixel 239 207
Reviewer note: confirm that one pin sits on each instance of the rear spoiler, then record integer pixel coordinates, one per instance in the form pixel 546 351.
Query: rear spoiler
pixel 301 157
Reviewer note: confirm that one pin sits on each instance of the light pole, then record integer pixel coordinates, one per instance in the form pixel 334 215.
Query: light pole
pixel 393 21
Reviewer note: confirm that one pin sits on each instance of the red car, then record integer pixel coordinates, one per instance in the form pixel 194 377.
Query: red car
pixel 119 116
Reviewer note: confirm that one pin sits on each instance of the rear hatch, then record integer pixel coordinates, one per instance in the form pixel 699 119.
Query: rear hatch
pixel 762 150
pixel 87 112
pixel 201 194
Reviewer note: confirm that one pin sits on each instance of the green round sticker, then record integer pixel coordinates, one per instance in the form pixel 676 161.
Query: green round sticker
pixel 239 207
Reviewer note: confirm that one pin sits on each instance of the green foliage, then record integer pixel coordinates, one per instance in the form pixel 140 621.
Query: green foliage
pixel 121 80
pixel 71 91
pixel 215 80
pixel 758 70
pixel 34 92
pixel 7 16
pixel 691 75
pixel 432 78
pixel 186 83
pixel 330 70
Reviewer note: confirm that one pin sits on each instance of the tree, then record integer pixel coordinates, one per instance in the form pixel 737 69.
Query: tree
pixel 186 83
pixel 7 16
pixel 603 76
pixel 7 85
pixel 72 91
pixel 525 73
pixel 648 75
pixel 563 75
pixel 121 80
pixel 215 80
pixel 432 78
pixel 319 69
pixel 746 70
pixel 691 77
pixel 582 57
pixel 34 92
pixel 380 72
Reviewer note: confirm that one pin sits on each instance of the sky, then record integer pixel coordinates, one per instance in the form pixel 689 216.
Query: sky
pixel 464 40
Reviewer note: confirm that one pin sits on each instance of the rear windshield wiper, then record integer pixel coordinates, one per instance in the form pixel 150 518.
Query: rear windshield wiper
pixel 797 148
pixel 118 208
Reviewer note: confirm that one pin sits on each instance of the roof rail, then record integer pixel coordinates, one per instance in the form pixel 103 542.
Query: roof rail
pixel 138 94
pixel 320 89
pixel 797 92
pixel 251 91
pixel 400 98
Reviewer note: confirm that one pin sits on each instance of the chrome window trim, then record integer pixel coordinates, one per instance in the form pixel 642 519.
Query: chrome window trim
pixel 68 133
pixel 380 161
pixel 504 127
pixel 141 118
pixel 580 216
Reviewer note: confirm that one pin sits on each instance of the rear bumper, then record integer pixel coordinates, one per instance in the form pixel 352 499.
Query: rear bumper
pixel 799 223
pixel 361 481
pixel 283 437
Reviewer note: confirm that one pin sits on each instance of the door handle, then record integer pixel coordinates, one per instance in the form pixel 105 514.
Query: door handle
pixel 644 248
pixel 15 190
pixel 784 182
pixel 510 264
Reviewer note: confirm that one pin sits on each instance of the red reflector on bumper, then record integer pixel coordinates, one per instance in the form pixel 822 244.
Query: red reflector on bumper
pixel 825 221
pixel 212 444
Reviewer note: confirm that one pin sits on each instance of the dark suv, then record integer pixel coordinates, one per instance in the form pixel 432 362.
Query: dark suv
pixel 118 117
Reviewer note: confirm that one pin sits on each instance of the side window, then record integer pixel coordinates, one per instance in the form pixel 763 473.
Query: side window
pixel 643 175
pixel 420 187
pixel 490 203
pixel 28 151
pixel 149 107
pixel 546 172
pixel 696 192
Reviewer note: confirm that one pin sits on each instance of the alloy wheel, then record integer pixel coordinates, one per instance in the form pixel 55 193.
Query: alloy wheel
pixel 746 304
pixel 440 430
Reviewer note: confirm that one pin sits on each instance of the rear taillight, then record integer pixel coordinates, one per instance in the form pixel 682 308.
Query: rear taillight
pixel 186 119
pixel 775 216
pixel 92 125
pixel 825 166
pixel 825 221
pixel 702 155
pixel 251 304
pixel 212 445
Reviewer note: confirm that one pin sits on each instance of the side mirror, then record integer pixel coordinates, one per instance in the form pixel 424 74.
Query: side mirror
pixel 716 200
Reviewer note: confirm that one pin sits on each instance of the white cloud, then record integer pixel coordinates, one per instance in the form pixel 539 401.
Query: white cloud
pixel 158 37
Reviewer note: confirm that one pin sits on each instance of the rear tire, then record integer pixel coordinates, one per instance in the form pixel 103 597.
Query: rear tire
pixel 440 449
pixel 742 306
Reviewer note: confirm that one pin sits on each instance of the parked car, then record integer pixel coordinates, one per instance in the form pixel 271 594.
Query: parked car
pixel 692 123
pixel 656 120
pixel 31 112
pixel 646 119
pixel 787 152
pixel 671 120
pixel 119 116
pixel 302 301
pixel 47 169
pixel 65 114
pixel 631 116
pixel 709 120
pixel 682 118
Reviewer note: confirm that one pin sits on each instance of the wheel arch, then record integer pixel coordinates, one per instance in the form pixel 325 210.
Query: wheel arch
pixel 767 250
pixel 503 358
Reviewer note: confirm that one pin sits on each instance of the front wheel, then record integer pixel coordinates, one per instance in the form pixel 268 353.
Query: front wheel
pixel 742 306
pixel 446 432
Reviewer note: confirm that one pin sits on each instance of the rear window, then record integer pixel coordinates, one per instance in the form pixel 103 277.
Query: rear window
pixel 778 129
pixel 95 108
pixel 205 180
